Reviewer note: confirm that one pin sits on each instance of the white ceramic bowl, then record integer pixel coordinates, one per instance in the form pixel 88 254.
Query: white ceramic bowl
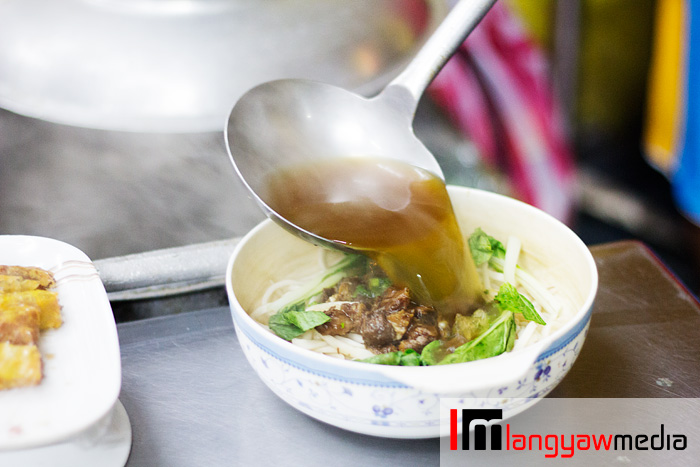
pixel 404 402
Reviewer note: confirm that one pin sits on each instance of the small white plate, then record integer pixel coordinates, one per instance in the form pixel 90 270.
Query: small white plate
pixel 82 365
pixel 105 444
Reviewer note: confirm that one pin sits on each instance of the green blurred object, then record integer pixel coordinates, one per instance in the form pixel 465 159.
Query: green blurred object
pixel 538 18
pixel 616 38
pixel 613 55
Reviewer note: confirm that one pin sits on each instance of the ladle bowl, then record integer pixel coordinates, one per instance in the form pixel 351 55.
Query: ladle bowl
pixel 288 122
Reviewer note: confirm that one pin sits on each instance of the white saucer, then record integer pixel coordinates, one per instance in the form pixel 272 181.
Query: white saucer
pixel 107 443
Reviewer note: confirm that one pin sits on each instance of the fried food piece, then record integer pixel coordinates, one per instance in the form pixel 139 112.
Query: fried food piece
pixel 19 320
pixel 16 284
pixel 20 365
pixel 45 300
pixel 45 278
pixel 49 308
pixel 26 308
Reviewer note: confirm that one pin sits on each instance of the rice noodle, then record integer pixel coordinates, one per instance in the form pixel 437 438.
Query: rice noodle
pixel 342 347
pixel 484 273
pixel 511 261
pixel 356 337
pixel 533 287
pixel 524 335
pixel 349 347
pixel 310 344
pixel 497 276
pixel 327 305
pixel 277 286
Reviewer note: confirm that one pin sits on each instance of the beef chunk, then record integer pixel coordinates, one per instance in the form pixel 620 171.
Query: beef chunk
pixel 383 348
pixel 418 336
pixel 376 330
pixel 400 320
pixel 387 323
pixel 344 291
pixel 394 299
pixel 422 331
pixel 345 318
pixel 426 315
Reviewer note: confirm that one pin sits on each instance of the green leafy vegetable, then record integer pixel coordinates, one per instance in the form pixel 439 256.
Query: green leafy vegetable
pixel 410 358
pixel 390 358
pixel 508 298
pixel 279 325
pixel 306 320
pixel 483 247
pixel 291 324
pixel 497 339
pixel 434 352
pixel 399 358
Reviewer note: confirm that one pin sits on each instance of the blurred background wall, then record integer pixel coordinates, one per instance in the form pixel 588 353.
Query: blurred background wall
pixel 601 55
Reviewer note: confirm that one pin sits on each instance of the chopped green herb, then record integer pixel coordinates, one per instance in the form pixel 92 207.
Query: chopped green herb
pixel 399 358
pixel 390 358
pixel 291 324
pixel 433 352
pixel 410 358
pixel 508 298
pixel 362 290
pixel 483 247
pixel 283 328
pixel 306 320
pixel 375 287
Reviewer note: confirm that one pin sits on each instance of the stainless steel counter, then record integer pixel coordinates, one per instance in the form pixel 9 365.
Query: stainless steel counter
pixel 193 399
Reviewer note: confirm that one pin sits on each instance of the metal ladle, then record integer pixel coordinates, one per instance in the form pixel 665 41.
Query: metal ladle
pixel 287 122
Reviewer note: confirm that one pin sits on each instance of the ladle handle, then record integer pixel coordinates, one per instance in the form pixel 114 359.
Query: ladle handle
pixel 430 59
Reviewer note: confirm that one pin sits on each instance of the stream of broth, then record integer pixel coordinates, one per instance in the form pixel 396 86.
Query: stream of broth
pixel 397 214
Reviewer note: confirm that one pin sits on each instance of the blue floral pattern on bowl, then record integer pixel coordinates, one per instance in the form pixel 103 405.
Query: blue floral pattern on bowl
pixel 401 412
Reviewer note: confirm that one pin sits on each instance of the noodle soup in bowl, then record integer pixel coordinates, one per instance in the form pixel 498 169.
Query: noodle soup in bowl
pixel 404 401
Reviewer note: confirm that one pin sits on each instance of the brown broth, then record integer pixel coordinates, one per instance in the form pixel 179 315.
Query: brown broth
pixel 399 215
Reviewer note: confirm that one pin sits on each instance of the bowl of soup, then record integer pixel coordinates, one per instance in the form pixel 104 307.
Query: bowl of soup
pixel 335 378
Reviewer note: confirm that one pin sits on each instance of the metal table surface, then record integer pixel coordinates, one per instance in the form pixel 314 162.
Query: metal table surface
pixel 193 399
